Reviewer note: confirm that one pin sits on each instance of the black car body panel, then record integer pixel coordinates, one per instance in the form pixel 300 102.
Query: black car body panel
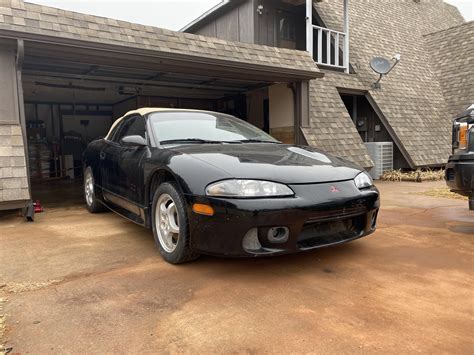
pixel 313 206
pixel 327 207
pixel 275 162
pixel 460 168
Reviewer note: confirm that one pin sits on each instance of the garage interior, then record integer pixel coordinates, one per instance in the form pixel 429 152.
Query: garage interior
pixel 71 100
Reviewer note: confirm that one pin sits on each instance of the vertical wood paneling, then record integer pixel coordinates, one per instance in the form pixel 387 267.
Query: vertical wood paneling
pixel 246 22
pixel 227 26
pixel 208 30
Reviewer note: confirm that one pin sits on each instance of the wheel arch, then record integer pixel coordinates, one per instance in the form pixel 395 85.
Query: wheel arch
pixel 156 178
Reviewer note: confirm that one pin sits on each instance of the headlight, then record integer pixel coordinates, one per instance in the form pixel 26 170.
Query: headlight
pixel 248 188
pixel 363 180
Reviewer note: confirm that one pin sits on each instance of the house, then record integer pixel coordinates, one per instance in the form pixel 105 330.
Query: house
pixel 417 99
pixel 66 76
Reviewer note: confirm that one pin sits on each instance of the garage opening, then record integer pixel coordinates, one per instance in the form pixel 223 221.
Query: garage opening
pixel 68 104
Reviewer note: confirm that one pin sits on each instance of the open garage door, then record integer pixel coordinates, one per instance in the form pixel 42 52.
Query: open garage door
pixel 76 73
pixel 73 100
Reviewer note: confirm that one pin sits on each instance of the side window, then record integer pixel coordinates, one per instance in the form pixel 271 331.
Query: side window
pixel 132 126
pixel 114 132
pixel 287 27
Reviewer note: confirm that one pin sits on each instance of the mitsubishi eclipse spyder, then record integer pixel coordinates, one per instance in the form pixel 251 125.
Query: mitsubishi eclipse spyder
pixel 209 183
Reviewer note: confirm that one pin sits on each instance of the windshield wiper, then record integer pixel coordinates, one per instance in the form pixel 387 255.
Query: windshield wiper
pixel 190 140
pixel 255 141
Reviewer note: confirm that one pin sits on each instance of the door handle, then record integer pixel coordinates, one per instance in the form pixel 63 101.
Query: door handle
pixel 102 155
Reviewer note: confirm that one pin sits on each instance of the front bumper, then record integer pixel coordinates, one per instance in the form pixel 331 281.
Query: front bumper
pixel 318 215
pixel 459 173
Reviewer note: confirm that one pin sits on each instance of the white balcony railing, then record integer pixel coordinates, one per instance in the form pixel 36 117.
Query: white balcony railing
pixel 332 47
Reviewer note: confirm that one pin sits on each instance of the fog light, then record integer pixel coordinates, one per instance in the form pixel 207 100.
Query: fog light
pixel 278 234
pixel 205 210
pixel 250 241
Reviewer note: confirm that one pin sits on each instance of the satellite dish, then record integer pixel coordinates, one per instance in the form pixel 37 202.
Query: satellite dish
pixel 380 65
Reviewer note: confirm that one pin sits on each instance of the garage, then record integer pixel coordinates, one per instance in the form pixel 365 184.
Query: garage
pixel 74 83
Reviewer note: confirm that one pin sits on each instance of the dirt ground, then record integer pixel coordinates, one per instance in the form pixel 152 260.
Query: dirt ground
pixel 75 282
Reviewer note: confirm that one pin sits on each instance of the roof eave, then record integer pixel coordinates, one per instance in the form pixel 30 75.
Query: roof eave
pixel 297 74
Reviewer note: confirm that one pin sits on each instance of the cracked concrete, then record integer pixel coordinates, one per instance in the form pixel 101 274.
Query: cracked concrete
pixel 95 283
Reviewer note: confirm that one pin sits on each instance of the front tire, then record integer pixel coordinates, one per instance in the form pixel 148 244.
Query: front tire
pixel 170 225
pixel 92 202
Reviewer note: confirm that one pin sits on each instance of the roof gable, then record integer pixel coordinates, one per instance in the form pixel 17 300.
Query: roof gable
pixel 451 55
pixel 411 98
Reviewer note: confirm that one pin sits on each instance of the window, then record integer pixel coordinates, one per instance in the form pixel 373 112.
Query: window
pixel 287 27
pixel 131 126
pixel 169 126
pixel 111 135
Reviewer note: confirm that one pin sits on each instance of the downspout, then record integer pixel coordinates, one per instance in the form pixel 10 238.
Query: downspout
pixel 309 27
pixel 346 37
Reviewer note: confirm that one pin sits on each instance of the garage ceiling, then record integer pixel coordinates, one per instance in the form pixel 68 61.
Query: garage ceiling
pixel 54 80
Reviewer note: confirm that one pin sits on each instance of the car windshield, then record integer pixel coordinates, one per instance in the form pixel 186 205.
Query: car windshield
pixel 204 127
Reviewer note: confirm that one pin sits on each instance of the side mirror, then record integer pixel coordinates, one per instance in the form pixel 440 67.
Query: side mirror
pixel 133 141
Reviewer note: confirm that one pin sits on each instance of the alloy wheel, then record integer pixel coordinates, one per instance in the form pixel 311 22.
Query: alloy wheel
pixel 89 189
pixel 167 223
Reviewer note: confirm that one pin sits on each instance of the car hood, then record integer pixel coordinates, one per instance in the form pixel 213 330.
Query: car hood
pixel 288 164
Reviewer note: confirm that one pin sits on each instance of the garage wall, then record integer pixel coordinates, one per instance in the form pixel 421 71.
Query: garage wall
pixel 282 113
pixel 13 174
pixel 255 107
pixel 121 108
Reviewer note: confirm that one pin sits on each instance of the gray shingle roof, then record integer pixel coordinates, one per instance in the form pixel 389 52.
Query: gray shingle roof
pixel 19 16
pixel 411 97
pixel 331 127
pixel 452 60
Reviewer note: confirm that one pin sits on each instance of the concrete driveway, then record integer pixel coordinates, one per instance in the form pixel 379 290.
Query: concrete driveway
pixel 75 282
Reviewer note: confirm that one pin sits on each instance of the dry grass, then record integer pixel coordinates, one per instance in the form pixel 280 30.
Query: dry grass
pixel 18 287
pixel 443 192
pixel 419 175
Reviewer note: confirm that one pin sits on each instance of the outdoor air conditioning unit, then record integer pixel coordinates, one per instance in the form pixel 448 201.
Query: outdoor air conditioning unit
pixel 382 156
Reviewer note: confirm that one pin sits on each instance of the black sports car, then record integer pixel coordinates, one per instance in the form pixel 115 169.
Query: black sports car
pixel 210 183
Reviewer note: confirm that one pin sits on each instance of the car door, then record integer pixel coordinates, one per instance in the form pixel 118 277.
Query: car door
pixel 109 158
pixel 130 161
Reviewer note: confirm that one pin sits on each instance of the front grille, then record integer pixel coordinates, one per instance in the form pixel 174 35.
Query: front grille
pixel 330 232
pixel 337 213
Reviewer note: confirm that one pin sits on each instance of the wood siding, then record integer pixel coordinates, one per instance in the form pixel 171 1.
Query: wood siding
pixel 235 25
pixel 13 174
pixel 244 23
pixel 266 24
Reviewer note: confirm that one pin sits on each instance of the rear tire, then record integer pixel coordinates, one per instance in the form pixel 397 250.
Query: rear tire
pixel 93 204
pixel 170 225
